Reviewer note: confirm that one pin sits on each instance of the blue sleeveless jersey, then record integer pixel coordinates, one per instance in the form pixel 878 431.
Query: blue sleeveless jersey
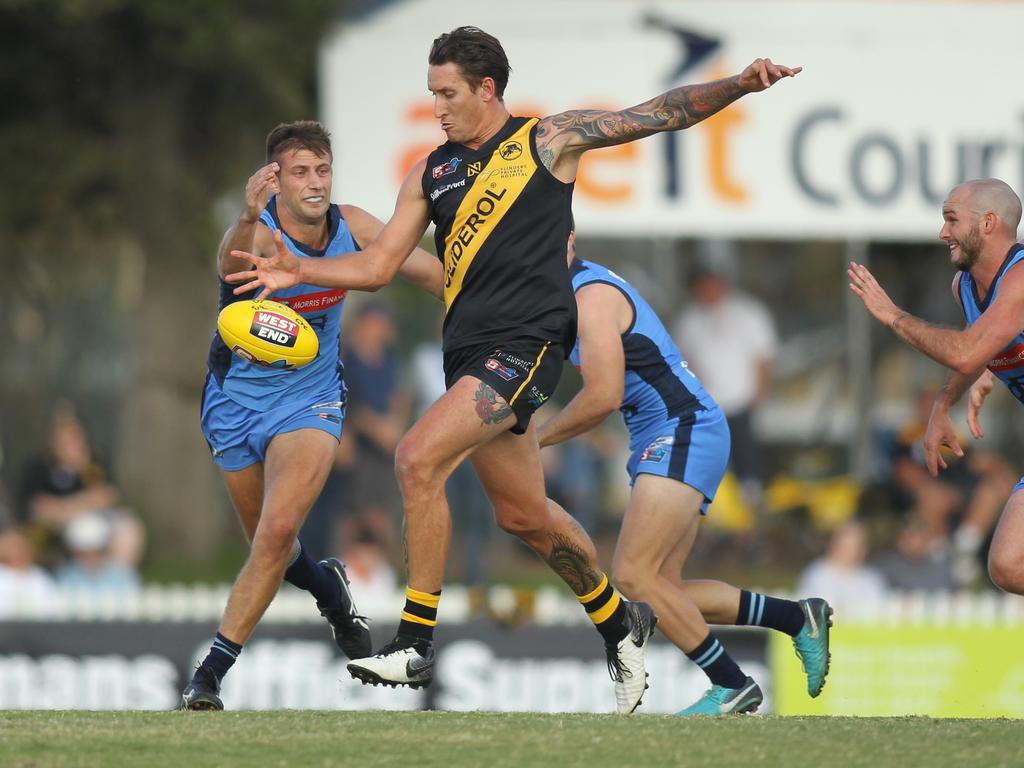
pixel 261 388
pixel 659 385
pixel 1008 365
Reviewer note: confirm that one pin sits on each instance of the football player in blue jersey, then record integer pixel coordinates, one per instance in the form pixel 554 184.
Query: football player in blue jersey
pixel 980 220
pixel 679 443
pixel 273 432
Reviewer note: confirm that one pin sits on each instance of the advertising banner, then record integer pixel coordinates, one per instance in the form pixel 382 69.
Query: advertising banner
pixel 480 666
pixel 891 670
pixel 898 102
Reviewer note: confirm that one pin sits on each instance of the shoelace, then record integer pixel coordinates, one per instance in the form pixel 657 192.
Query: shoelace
pixel 400 644
pixel 616 671
pixel 207 676
pixel 718 694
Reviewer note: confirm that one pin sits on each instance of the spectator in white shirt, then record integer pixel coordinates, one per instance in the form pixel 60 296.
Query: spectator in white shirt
pixel 729 340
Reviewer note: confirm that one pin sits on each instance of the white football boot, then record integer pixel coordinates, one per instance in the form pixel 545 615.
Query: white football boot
pixel 626 658
pixel 397 663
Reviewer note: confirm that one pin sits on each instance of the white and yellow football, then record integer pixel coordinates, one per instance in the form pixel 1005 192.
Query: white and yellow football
pixel 268 333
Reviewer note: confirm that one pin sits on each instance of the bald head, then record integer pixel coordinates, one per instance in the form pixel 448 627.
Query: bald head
pixel 991 196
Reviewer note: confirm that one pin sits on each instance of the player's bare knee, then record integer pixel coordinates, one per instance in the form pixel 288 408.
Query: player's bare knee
pixel 1006 572
pixel 518 521
pixel 415 468
pixel 631 580
pixel 276 537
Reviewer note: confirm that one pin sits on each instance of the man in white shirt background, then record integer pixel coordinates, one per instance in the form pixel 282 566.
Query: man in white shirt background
pixel 729 339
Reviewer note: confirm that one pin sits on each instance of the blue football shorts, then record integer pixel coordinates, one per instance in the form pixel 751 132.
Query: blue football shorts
pixel 693 449
pixel 238 436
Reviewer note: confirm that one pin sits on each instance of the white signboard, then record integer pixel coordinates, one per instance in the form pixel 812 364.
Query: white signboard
pixel 898 102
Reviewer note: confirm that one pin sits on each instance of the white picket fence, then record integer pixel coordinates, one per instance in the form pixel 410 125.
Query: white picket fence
pixel 544 606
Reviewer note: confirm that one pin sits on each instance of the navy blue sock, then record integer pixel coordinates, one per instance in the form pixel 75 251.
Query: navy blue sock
pixel 718 665
pixel 772 612
pixel 305 573
pixel 222 655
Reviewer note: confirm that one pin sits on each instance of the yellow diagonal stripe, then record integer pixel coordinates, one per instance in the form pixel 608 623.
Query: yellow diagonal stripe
pixel 495 191
pixel 533 370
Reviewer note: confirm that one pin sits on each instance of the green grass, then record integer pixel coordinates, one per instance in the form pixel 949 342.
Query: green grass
pixel 365 739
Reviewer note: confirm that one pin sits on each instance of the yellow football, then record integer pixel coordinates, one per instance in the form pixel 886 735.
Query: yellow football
pixel 268 333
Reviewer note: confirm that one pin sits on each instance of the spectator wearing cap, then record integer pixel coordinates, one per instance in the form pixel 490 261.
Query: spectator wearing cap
pixel 90 566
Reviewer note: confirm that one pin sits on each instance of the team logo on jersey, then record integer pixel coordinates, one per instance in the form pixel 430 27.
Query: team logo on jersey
pixel 275 328
pixel 314 302
pixel 658 449
pixel 506 372
pixel 443 170
pixel 510 150
pixel 473 169
pixel 1008 359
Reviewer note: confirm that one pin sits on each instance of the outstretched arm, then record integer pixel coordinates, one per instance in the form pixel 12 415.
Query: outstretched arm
pixel 562 138
pixel 366 270
pixel 968 351
pixel 420 268
pixel 603 315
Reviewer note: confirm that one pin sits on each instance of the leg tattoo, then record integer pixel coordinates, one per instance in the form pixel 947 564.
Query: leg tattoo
pixel 571 563
pixel 488 408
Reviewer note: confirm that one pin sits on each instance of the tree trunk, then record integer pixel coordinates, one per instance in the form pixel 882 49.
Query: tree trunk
pixel 163 460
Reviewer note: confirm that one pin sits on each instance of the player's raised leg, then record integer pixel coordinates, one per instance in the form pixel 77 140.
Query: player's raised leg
pixel 510 470
pixel 807 621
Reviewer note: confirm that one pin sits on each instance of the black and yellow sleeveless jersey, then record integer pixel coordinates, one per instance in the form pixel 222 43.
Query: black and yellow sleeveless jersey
pixel 502 223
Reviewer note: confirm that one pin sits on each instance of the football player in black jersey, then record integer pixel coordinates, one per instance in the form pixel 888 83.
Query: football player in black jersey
pixel 499 192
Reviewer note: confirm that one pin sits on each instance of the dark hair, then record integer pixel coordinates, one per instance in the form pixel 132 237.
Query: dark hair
pixel 477 55
pixel 302 134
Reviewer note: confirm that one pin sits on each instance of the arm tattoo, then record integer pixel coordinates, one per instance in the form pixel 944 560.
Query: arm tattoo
pixel 571 563
pixel 488 408
pixel 672 111
pixel 547 159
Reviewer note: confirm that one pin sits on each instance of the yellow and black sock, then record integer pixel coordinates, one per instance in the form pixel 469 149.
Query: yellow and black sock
pixel 607 610
pixel 419 617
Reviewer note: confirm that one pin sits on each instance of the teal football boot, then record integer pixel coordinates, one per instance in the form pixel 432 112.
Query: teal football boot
pixel 718 700
pixel 811 643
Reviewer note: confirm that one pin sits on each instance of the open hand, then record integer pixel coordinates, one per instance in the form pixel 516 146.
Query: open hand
pixel 763 73
pixel 272 273
pixel 877 301
pixel 980 389
pixel 939 434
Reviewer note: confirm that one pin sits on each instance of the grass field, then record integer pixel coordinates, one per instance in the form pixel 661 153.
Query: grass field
pixel 314 738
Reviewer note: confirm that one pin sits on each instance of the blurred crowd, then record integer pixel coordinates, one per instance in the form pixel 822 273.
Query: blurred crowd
pixel 63 522
pixel 65 526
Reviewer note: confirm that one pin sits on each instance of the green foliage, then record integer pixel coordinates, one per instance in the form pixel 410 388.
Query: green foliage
pixel 90 79
pixel 123 123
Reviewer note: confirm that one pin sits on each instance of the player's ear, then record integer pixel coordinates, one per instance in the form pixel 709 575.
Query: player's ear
pixel 488 90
